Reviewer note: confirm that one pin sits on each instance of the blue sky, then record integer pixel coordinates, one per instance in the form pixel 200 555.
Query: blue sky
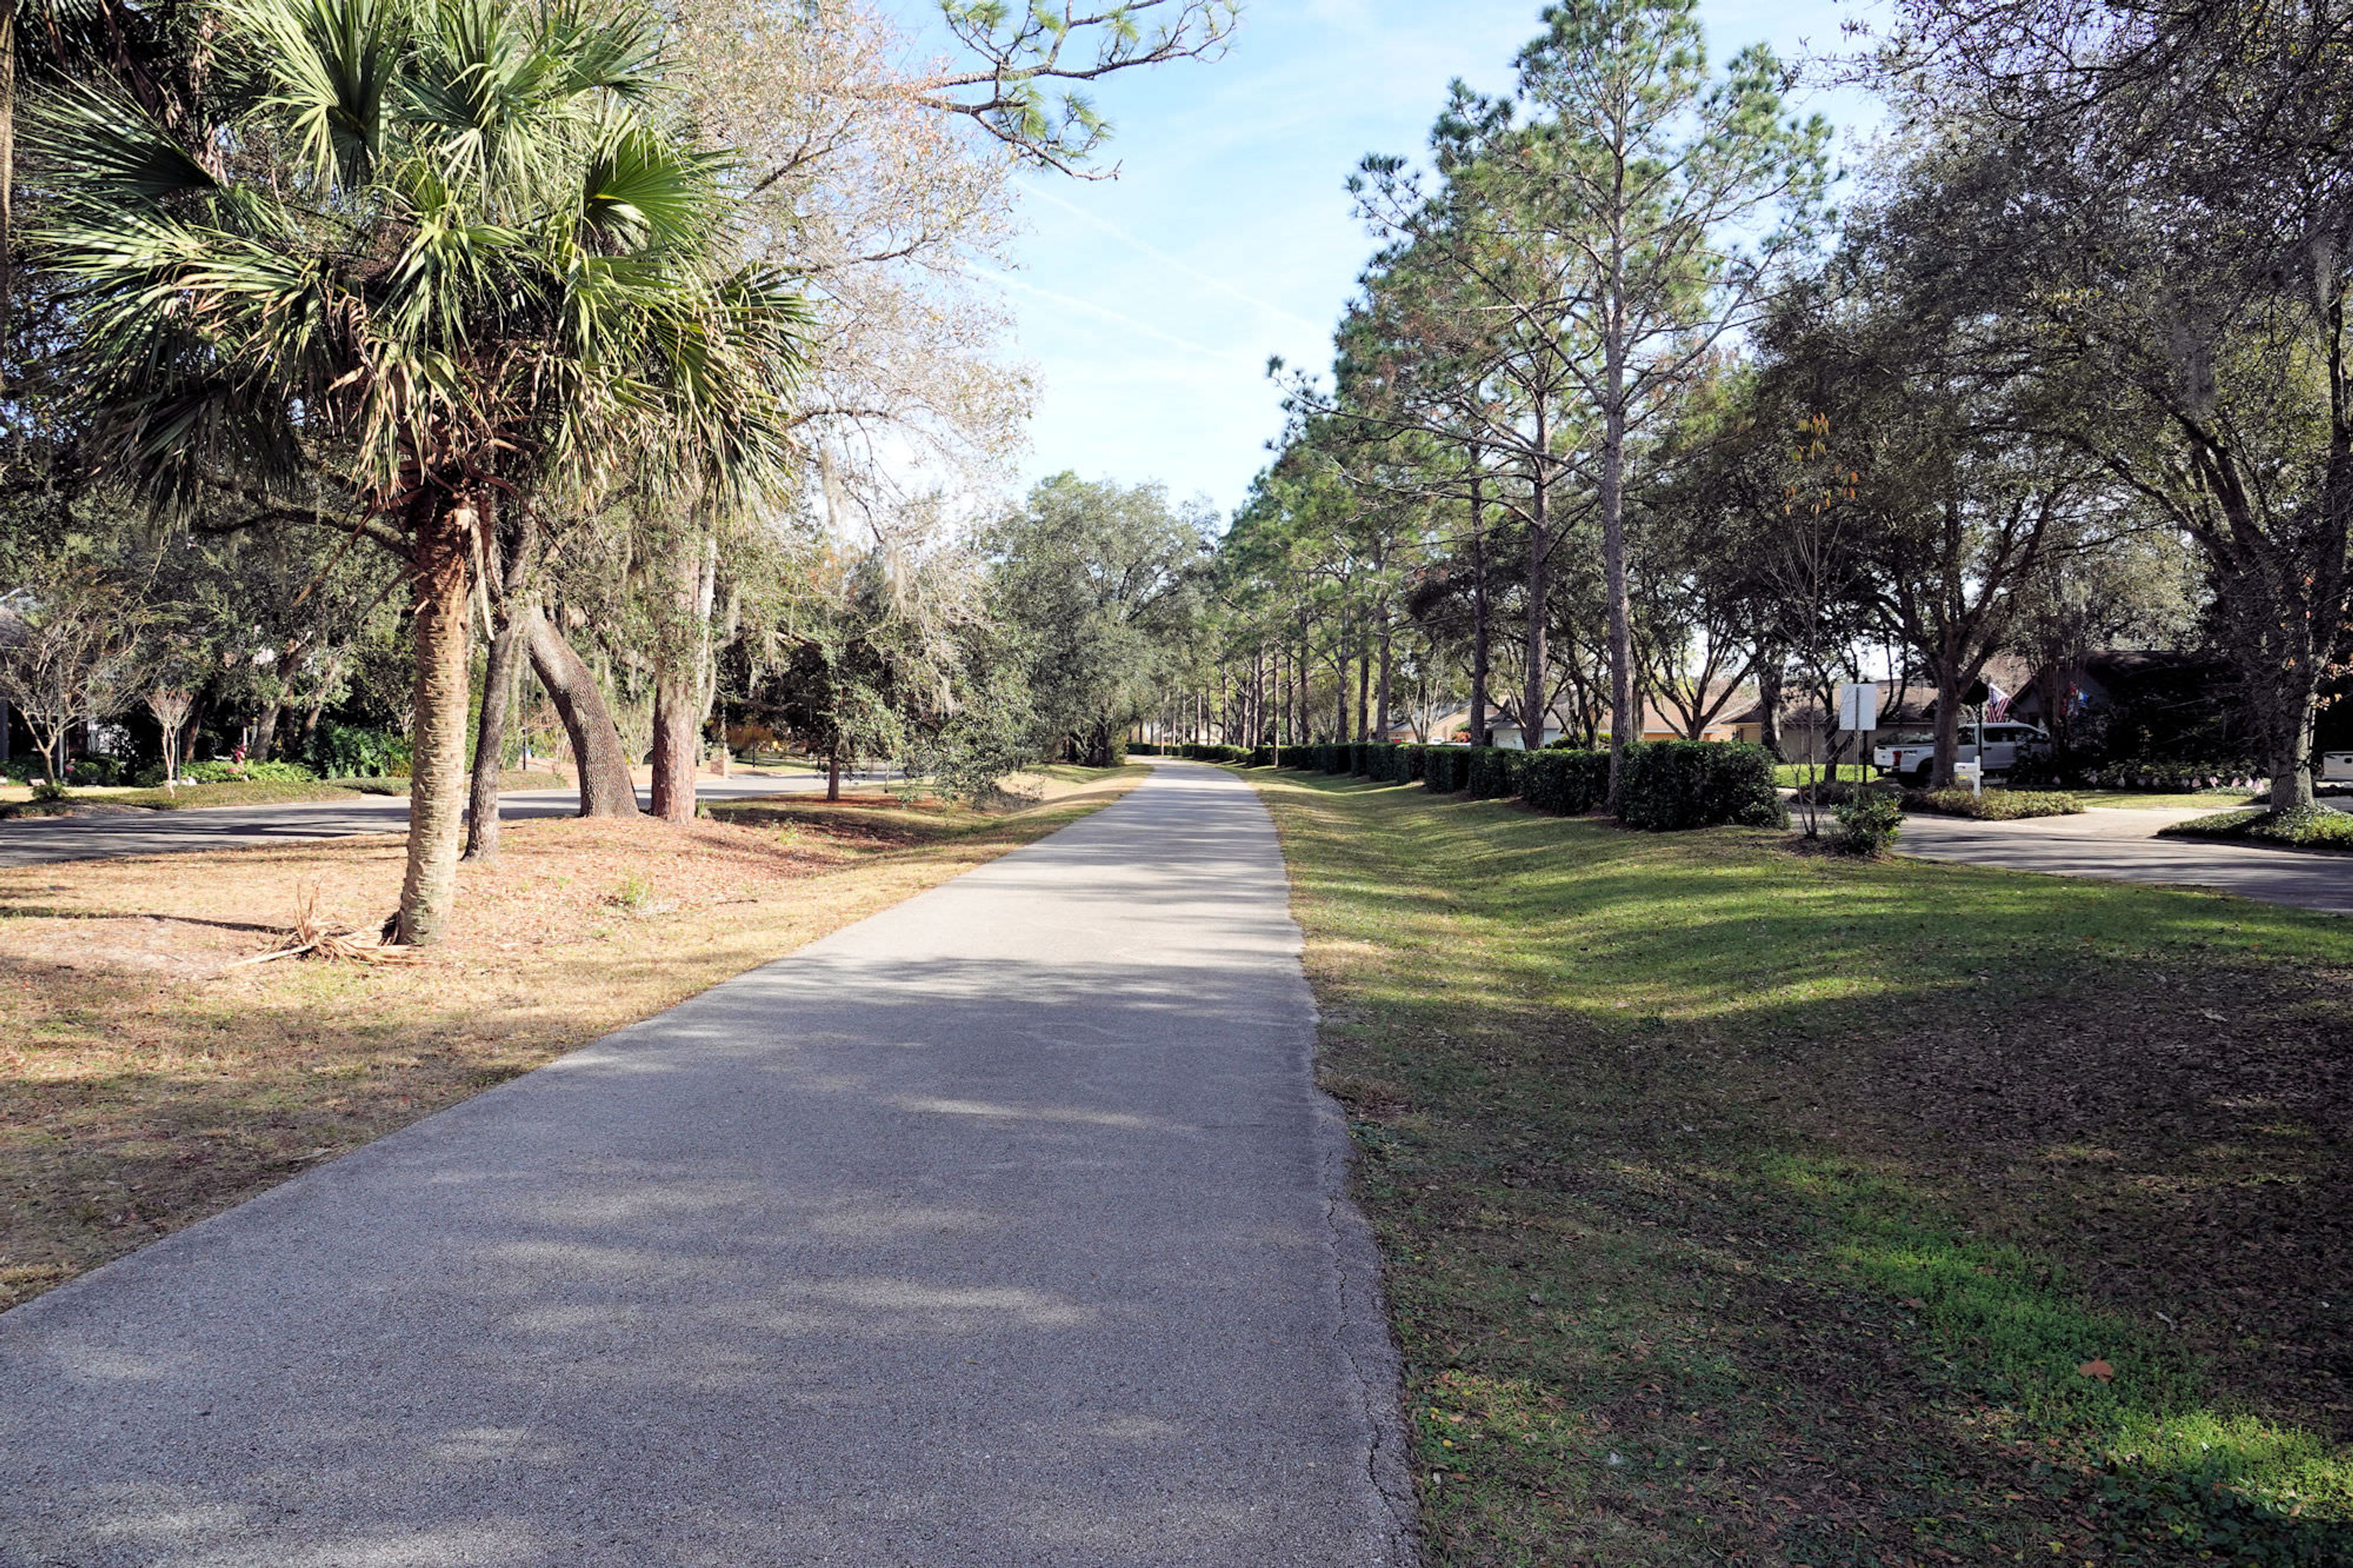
pixel 1150 303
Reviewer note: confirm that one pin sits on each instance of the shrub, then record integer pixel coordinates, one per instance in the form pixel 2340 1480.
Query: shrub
pixel 1667 786
pixel 350 752
pixel 94 769
pixel 1564 782
pixel 1331 757
pixel 1301 758
pixel 1868 821
pixel 2301 827
pixel 2173 777
pixel 20 770
pixel 256 772
pixel 1145 749
pixel 1993 805
pixel 1495 773
pixel 1445 769
pixel 1409 763
pixel 44 791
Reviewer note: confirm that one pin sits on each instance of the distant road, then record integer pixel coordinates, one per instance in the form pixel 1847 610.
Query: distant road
pixel 41 840
pixel 2122 846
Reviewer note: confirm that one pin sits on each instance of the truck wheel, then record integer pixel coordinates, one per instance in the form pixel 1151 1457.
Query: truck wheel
pixel 1920 776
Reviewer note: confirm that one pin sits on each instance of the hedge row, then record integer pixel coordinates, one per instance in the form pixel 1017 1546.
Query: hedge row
pixel 1669 784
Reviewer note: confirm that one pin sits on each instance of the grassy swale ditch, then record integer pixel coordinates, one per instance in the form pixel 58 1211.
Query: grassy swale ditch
pixel 1741 1206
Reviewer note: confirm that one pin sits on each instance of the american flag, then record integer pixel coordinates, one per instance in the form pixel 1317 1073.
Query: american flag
pixel 1997 703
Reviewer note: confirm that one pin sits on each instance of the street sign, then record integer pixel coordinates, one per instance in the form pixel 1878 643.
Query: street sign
pixel 1859 705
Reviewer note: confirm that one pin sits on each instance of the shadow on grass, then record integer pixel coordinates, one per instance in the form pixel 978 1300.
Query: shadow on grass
pixel 1745 1207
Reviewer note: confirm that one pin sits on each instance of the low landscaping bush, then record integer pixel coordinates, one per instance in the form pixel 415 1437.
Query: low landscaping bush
pixel 1495 773
pixel 2299 828
pixel 1146 749
pixel 1409 763
pixel 351 752
pixel 96 769
pixel 1332 757
pixel 1868 821
pixel 247 773
pixel 1445 769
pixel 2168 777
pixel 1564 782
pixel 1993 805
pixel 1667 786
pixel 1299 757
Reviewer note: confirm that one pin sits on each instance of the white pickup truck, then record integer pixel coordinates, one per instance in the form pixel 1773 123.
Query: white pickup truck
pixel 1912 758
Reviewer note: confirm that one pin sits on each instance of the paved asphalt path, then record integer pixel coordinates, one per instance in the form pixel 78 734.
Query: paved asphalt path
pixel 2121 845
pixel 1003 1227
pixel 41 840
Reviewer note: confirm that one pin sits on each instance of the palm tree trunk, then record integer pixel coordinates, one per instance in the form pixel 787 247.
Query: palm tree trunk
pixel 438 765
pixel 677 688
pixel 605 787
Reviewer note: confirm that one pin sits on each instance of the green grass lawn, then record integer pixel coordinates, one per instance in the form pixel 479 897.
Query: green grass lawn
pixel 1791 775
pixel 2142 800
pixel 1743 1205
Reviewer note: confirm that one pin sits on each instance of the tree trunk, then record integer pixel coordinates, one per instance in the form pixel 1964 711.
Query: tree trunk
pixel 1769 706
pixel 444 540
pixel 1625 710
pixel 1532 705
pixel 833 775
pixel 682 700
pixel 606 787
pixel 491 738
pixel 500 679
pixel 1479 647
pixel 1388 669
pixel 2291 772
pixel 1949 721
pixel 1364 686
pixel 265 732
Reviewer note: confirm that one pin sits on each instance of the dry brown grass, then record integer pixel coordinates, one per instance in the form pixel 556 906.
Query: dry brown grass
pixel 147 1080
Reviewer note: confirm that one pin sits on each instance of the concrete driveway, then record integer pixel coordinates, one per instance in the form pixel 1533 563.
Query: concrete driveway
pixel 2122 846
pixel 39 840
pixel 1005 1227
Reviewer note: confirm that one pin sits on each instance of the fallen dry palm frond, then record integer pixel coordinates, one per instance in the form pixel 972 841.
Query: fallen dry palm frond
pixel 309 938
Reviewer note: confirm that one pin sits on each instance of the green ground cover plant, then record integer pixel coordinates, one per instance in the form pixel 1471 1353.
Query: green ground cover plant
pixel 2303 827
pixel 1743 1205
pixel 1993 805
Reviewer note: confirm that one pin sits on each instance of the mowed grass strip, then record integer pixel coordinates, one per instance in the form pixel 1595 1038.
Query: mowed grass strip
pixel 148 1080
pixel 1741 1205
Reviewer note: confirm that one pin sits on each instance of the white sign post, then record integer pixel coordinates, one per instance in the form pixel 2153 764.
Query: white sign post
pixel 1858 703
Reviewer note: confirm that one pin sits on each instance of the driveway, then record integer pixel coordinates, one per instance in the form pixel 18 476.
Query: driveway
pixel 1005 1227
pixel 2122 846
pixel 39 840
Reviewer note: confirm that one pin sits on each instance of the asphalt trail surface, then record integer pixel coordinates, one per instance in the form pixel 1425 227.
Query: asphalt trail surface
pixel 1003 1227
pixel 2122 846
pixel 43 840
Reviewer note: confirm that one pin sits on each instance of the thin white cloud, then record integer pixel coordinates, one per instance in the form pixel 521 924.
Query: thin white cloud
pixel 1206 280
pixel 1072 302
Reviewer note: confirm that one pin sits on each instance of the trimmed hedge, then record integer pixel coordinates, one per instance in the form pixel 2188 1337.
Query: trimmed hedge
pixel 1566 783
pixel 1495 773
pixel 1445 769
pixel 1145 749
pixel 1671 786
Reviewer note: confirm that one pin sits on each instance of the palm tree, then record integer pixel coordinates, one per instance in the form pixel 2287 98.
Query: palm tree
pixel 451 258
